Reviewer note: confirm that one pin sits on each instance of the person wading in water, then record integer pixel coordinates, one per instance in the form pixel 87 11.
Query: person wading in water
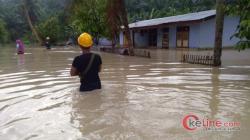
pixel 88 65
pixel 47 43
pixel 19 47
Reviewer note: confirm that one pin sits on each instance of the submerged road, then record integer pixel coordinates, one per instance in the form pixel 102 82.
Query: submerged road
pixel 141 99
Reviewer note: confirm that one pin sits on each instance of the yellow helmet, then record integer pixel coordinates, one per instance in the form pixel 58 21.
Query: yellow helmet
pixel 85 40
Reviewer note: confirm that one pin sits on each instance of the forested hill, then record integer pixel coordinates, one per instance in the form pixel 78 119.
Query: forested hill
pixel 48 16
pixel 148 9
pixel 34 20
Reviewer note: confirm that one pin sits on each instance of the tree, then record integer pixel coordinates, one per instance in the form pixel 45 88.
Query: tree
pixel 13 14
pixel 89 16
pixel 241 8
pixel 3 32
pixel 220 8
pixel 113 21
pixel 16 25
pixel 74 13
pixel 124 18
pixel 28 14
pixel 119 18
pixel 147 9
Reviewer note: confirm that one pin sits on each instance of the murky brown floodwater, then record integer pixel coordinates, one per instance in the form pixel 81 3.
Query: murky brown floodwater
pixel 141 99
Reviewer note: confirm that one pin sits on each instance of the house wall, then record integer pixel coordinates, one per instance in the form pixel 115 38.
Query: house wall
pixel 201 35
pixel 121 36
pixel 194 35
pixel 141 40
pixel 230 27
pixel 172 37
pixel 207 32
pixel 159 37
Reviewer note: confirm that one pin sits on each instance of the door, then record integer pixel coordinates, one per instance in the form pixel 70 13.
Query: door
pixel 165 38
pixel 182 39
pixel 152 38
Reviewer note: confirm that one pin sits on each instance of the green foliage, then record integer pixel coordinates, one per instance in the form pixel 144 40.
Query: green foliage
pixel 28 38
pixel 3 32
pixel 49 8
pixel 34 9
pixel 52 16
pixel 89 16
pixel 51 27
pixel 71 31
pixel 148 9
pixel 10 13
pixel 241 8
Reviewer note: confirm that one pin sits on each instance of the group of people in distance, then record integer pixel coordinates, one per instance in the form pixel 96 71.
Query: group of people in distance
pixel 87 65
pixel 20 45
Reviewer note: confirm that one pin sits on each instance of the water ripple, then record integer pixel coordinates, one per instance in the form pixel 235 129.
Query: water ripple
pixel 140 98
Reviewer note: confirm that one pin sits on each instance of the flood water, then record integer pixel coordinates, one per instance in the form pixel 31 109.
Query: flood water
pixel 141 98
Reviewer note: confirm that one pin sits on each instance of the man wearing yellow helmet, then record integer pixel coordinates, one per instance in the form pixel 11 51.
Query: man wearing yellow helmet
pixel 88 65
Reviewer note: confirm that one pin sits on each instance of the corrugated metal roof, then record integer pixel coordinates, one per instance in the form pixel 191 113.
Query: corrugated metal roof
pixel 174 19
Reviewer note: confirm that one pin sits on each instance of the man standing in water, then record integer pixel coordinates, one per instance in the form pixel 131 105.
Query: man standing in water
pixel 47 43
pixel 87 66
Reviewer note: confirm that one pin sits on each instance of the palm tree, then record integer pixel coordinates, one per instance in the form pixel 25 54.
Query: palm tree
pixel 220 10
pixel 117 17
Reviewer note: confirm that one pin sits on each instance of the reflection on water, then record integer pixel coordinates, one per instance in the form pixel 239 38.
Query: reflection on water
pixel 141 99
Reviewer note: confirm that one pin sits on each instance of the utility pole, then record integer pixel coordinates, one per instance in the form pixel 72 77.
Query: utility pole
pixel 220 12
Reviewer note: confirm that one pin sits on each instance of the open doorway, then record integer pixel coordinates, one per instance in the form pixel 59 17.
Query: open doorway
pixel 152 37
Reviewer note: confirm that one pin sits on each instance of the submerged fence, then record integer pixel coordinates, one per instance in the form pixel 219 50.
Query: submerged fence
pixel 124 51
pixel 198 59
pixel 142 53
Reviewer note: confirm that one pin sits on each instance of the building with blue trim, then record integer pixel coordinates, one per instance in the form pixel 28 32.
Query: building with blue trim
pixel 193 30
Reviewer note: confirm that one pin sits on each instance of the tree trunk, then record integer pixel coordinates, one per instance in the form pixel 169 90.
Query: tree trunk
pixel 113 45
pixel 126 27
pixel 33 29
pixel 220 11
